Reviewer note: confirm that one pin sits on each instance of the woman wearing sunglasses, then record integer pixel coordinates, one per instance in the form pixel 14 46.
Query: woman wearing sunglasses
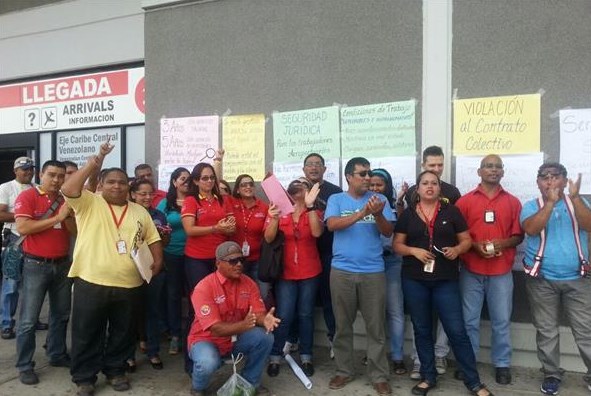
pixel 250 213
pixel 430 235
pixel 142 192
pixel 174 253
pixel 295 292
pixel 208 221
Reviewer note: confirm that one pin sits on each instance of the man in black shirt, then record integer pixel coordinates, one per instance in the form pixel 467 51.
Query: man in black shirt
pixel 314 168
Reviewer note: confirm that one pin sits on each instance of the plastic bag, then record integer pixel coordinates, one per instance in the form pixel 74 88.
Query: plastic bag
pixel 236 385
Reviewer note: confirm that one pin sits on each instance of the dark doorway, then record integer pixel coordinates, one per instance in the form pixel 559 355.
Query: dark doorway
pixel 7 158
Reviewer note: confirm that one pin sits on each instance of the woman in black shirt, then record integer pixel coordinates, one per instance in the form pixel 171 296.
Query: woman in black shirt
pixel 430 235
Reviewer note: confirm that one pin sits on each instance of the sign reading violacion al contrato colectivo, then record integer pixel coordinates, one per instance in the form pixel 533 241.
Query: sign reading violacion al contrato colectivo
pixel 81 101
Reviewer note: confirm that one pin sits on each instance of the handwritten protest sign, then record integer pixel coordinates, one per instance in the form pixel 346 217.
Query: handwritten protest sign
pixel 378 130
pixel 188 140
pixel 244 142
pixel 298 133
pixel 502 124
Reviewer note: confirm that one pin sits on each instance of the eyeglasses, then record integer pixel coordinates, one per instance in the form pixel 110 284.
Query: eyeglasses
pixel 235 261
pixel 315 164
pixel 490 165
pixel 247 184
pixel 363 173
pixel 549 175
pixel 207 178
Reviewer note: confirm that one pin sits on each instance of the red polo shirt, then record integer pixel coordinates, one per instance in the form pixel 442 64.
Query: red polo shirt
pixel 300 252
pixel 250 223
pixel 51 243
pixel 206 213
pixel 218 299
pixel 506 209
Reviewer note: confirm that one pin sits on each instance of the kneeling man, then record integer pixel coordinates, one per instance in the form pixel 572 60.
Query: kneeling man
pixel 230 318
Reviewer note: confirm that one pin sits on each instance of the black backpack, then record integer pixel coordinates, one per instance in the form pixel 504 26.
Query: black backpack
pixel 271 260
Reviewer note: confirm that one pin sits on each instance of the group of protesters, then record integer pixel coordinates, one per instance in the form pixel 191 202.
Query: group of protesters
pixel 384 253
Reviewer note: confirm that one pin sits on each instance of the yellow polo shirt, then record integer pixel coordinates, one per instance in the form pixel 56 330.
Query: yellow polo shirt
pixel 97 258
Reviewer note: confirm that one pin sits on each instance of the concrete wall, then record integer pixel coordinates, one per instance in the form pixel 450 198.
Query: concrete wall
pixel 70 35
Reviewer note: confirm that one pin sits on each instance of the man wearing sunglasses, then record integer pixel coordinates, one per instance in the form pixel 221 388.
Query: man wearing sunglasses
pixel 556 259
pixel 230 318
pixel 492 215
pixel 358 217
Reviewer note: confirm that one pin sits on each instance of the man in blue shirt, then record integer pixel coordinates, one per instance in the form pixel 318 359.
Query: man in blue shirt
pixel 358 217
pixel 556 260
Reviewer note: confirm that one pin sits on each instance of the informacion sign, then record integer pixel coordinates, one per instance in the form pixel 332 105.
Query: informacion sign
pixel 81 101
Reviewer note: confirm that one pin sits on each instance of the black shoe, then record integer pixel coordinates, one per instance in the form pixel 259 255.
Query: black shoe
pixel 308 369
pixel 273 369
pixel 28 377
pixel 459 375
pixel 422 391
pixel 156 363
pixel 503 375
pixel 8 333
pixel 63 362
pixel 41 326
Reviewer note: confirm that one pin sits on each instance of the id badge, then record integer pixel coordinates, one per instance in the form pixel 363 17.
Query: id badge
pixel 429 266
pixel 234 338
pixel 121 247
pixel 489 216
pixel 245 249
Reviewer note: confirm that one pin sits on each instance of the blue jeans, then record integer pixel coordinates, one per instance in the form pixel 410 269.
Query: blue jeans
pixel 252 271
pixel 154 314
pixel 9 296
pixel 255 344
pixel 394 306
pixel 175 280
pixel 40 278
pixel 295 301
pixel 421 298
pixel 498 290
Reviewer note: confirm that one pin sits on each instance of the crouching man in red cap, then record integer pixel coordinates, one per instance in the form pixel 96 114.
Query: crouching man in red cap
pixel 230 318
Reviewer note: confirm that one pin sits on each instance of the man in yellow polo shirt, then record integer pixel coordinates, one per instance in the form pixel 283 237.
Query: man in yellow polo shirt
pixel 106 280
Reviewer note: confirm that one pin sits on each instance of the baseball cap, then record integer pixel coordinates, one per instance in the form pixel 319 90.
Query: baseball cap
pixel 228 250
pixel 24 162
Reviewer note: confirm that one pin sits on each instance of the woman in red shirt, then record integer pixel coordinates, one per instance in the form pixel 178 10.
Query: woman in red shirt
pixel 295 292
pixel 250 213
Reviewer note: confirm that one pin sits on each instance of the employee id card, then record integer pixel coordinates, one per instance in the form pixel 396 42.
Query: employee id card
pixel 121 247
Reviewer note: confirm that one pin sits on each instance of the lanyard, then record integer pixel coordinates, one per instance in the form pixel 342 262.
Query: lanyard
pixel 430 222
pixel 246 219
pixel 118 222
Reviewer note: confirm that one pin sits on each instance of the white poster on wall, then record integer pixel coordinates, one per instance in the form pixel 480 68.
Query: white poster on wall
pixel 402 169
pixel 289 171
pixel 575 145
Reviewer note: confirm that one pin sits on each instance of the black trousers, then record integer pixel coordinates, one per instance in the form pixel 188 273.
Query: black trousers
pixel 103 330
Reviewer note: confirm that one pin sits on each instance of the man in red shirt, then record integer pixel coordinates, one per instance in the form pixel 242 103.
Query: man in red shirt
pixel 230 318
pixel 492 215
pixel 144 171
pixel 45 268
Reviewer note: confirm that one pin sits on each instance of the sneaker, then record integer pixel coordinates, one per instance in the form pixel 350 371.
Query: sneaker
pixel 28 377
pixel 120 383
pixel 85 390
pixel 440 364
pixel 8 333
pixel 550 386
pixel 415 373
pixel 175 346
